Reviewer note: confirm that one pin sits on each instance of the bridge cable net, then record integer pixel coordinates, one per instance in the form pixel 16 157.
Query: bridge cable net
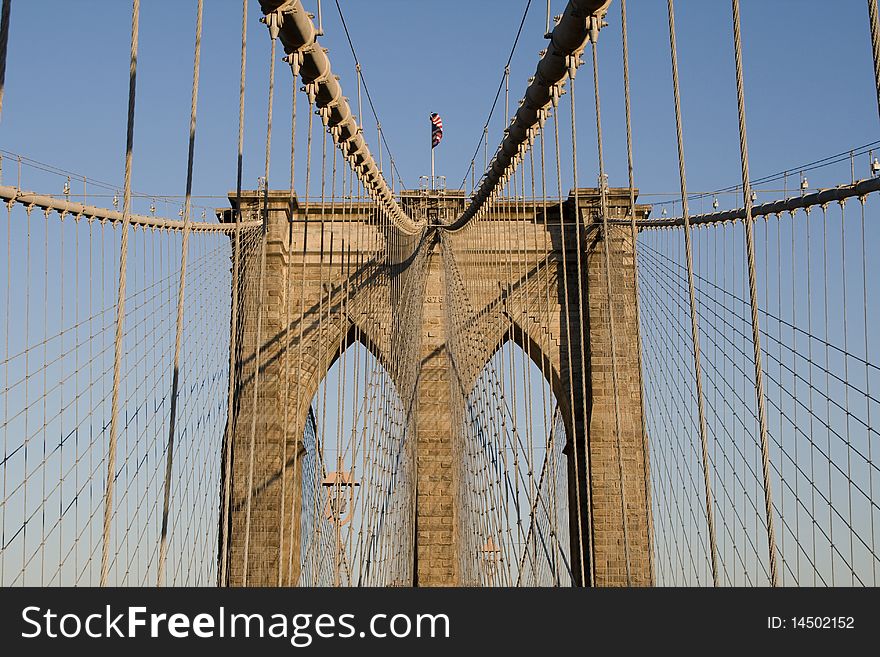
pixel 112 429
pixel 516 269
pixel 773 484
pixel 780 295
pixel 322 474
pixel 633 401
pixel 112 471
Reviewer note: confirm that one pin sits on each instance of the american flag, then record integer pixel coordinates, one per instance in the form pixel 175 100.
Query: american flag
pixel 436 129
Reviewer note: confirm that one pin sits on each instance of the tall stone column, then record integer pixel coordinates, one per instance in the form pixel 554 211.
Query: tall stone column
pixel 304 273
pixel 435 512
pixel 268 430
pixel 620 524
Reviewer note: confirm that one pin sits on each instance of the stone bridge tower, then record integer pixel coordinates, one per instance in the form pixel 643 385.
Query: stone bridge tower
pixel 304 266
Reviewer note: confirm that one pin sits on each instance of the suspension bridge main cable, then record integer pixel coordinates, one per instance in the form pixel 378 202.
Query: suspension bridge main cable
pixel 829 160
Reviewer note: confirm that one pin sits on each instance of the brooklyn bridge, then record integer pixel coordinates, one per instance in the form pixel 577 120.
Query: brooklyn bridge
pixel 536 377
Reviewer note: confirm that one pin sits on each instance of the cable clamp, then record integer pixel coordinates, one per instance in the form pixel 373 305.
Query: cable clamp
pixel 595 23
pixel 311 90
pixel 573 62
pixel 295 60
pixel 273 21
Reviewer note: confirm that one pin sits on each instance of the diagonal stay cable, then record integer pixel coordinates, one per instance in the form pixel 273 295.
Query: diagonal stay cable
pixel 498 92
pixel 357 61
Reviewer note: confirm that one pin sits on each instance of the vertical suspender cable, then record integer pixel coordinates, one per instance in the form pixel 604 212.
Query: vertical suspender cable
pixel 507 93
pixel 272 22
pixel 582 552
pixel 635 236
pixel 875 42
pixel 293 60
pixel 612 333
pixel 4 43
pixel 231 407
pixel 582 334
pixel 753 295
pixel 181 292
pixel 310 93
pixel 695 331
pixel 120 301
pixel 486 148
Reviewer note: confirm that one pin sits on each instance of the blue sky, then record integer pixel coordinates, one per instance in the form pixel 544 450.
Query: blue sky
pixel 808 75
pixel 809 81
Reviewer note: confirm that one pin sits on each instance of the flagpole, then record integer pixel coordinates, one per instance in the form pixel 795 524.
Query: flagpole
pixel 432 162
